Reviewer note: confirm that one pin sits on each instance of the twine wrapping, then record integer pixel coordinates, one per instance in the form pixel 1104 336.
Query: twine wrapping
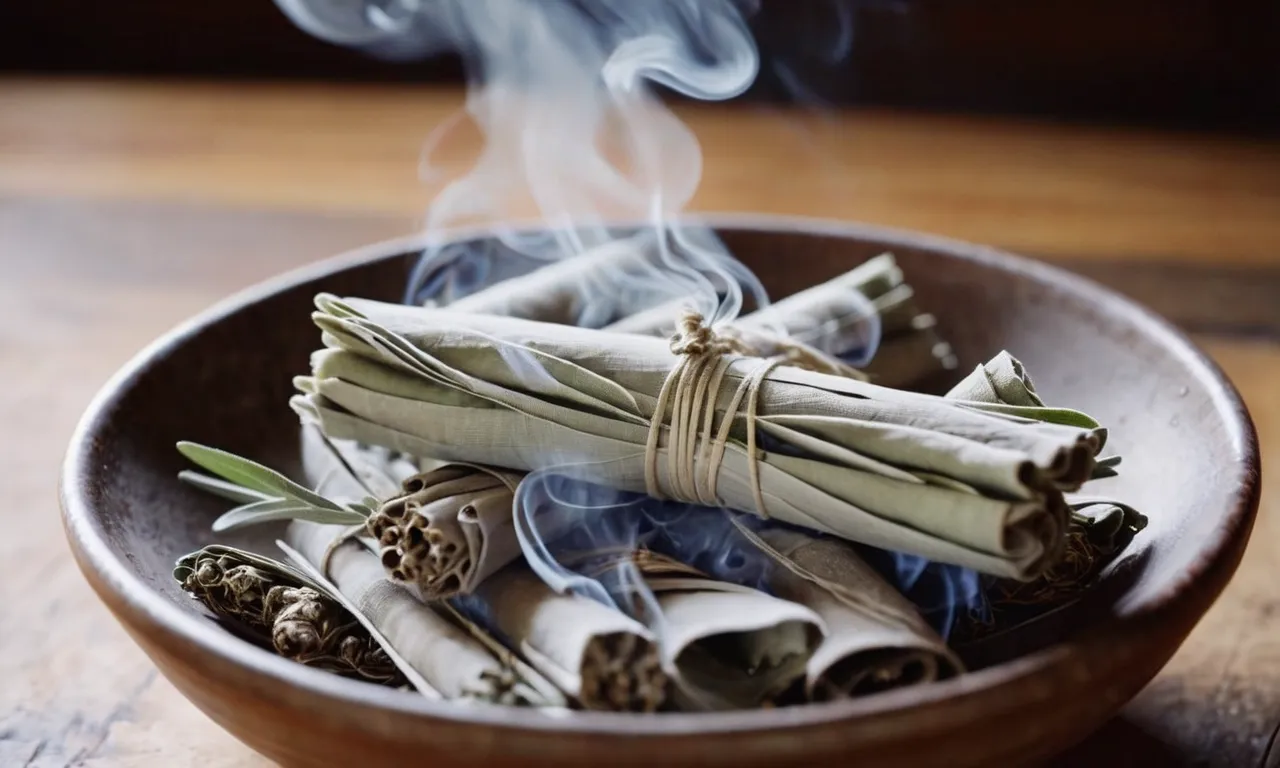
pixel 692 388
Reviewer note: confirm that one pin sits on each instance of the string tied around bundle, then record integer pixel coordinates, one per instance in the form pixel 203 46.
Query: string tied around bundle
pixel 343 537
pixel 695 444
pixel 693 337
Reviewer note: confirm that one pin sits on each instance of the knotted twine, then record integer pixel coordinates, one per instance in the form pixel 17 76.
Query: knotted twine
pixel 692 388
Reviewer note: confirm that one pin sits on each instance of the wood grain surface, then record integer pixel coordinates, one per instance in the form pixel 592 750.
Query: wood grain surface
pixel 125 208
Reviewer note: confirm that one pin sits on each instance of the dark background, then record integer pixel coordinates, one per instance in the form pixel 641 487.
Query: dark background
pixel 1188 63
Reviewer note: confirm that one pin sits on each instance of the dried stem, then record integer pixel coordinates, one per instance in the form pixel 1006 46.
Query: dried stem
pixel 1009 600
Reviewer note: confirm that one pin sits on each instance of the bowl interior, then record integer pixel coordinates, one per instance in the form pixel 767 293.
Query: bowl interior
pixel 225 378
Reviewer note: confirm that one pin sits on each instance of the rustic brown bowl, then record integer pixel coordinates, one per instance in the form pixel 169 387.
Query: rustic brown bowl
pixel 1191 463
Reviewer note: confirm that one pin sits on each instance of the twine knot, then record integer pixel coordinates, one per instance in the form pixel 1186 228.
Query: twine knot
pixel 693 337
pixel 694 443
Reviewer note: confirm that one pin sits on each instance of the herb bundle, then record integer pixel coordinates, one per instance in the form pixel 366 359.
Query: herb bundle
pixel 417 557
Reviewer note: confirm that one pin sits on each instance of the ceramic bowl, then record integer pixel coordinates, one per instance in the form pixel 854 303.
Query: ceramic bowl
pixel 1190 463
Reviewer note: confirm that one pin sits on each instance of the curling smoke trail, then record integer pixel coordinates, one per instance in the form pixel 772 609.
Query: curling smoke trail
pixel 575 136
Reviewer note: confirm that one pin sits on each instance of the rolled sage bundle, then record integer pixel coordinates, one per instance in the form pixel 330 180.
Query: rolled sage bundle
pixel 1097 528
pixel 439 532
pixel 286 610
pixel 590 290
pixel 449 530
pixel 731 647
pixel 1004 381
pixel 898 470
pixel 875 640
pixel 830 318
pixel 449 658
pixel 599 656
pixel 833 319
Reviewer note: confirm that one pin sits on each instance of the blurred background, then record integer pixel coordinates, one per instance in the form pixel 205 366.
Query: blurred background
pixel 1176 62
pixel 156 156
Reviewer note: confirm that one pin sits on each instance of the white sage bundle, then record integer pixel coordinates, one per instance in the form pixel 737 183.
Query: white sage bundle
pixel 897 470
pixel 834 318
pixel 1004 381
pixel 731 647
pixel 1097 528
pixel 451 660
pixel 592 289
pixel 814 328
pixel 599 656
pixel 875 639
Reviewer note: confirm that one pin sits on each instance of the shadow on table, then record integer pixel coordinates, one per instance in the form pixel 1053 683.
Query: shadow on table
pixel 1121 742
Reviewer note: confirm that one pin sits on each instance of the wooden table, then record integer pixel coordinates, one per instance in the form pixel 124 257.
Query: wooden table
pixel 126 207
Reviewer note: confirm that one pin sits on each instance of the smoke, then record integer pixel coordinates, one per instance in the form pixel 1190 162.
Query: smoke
pixel 579 538
pixel 582 537
pixel 391 29
pixel 575 137
pixel 944 594
pixel 578 142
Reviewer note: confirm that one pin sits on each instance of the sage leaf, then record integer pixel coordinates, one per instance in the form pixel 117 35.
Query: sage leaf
pixel 283 509
pixel 252 475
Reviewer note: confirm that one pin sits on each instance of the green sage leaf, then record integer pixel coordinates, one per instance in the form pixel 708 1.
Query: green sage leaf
pixel 253 476
pixel 283 509
pixel 219 487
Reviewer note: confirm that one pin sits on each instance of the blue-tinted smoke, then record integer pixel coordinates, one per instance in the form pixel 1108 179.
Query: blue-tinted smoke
pixel 566 520
pixel 944 594
pixel 578 536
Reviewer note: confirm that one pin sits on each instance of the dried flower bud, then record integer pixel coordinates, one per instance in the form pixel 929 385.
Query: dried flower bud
pixel 299 622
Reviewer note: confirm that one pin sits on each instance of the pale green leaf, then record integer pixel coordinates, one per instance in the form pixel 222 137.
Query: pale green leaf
pixel 219 487
pixel 252 475
pixel 283 509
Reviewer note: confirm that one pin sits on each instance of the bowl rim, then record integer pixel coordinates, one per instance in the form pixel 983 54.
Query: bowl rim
pixel 126 592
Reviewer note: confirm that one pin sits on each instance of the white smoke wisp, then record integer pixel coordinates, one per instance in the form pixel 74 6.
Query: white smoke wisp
pixel 575 137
